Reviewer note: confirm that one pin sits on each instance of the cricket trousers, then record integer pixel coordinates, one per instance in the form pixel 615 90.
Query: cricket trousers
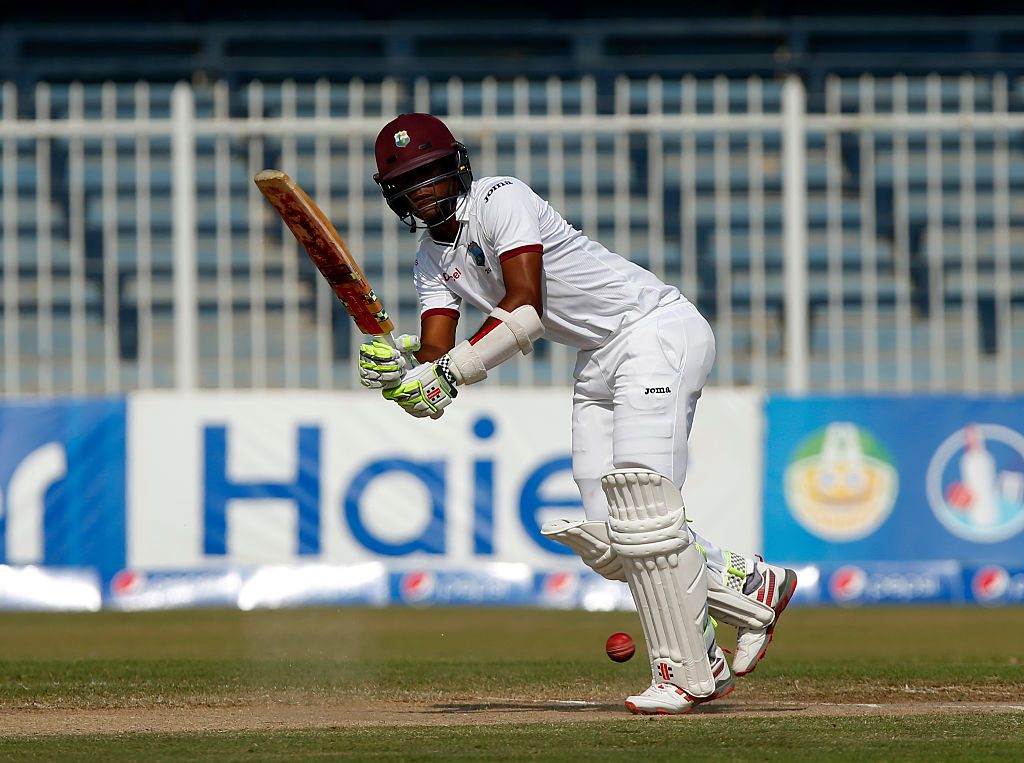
pixel 634 399
pixel 633 405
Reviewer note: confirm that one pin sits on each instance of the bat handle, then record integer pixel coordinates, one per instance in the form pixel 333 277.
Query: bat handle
pixel 391 339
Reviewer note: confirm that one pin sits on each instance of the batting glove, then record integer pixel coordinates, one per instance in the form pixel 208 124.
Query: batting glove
pixel 426 390
pixel 383 366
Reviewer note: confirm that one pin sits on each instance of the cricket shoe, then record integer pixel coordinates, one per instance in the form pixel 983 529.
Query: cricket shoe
pixel 774 587
pixel 662 698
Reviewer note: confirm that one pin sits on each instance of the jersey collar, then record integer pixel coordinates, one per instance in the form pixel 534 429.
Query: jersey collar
pixel 462 207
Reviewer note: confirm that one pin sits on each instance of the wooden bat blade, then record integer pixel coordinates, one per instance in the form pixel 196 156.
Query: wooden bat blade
pixel 326 249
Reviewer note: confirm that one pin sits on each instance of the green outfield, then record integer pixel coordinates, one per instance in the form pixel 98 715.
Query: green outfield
pixel 426 684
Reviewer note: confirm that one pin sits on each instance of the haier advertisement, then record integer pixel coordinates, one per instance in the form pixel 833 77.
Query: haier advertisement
pixel 350 478
pixel 901 478
pixel 281 498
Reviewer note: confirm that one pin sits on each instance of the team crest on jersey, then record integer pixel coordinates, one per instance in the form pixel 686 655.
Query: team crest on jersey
pixel 476 252
pixel 401 139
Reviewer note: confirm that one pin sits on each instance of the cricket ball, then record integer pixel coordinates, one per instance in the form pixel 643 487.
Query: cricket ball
pixel 620 646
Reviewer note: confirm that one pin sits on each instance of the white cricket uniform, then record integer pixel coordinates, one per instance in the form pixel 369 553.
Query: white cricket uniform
pixel 645 351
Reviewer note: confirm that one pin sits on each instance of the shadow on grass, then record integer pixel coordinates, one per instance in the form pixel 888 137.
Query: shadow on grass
pixel 514 706
pixel 454 708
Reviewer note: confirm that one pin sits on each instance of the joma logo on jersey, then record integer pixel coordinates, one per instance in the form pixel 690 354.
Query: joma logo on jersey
pixel 657 390
pixel 494 188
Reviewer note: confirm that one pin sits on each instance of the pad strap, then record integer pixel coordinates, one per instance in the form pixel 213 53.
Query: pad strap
pixel 737 609
pixel 589 539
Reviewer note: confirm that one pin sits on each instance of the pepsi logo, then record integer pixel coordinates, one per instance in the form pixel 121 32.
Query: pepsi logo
pixel 126 582
pixel 417 585
pixel 990 583
pixel 559 584
pixel 847 583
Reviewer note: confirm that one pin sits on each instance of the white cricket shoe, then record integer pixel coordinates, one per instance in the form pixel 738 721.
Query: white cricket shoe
pixel 663 698
pixel 775 590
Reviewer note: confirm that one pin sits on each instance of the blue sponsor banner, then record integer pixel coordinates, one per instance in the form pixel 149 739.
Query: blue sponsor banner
pixel 994 584
pixel 487 584
pixel 894 478
pixel 867 583
pixel 261 587
pixel 580 589
pixel 891 583
pixel 180 589
pixel 62 483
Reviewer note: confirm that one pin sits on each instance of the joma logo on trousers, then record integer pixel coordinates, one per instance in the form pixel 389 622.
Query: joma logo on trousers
pixel 657 390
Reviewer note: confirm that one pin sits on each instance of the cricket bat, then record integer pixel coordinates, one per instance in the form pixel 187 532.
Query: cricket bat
pixel 326 248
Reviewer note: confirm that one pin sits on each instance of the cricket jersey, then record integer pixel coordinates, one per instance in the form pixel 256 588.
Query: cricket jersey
pixel 589 292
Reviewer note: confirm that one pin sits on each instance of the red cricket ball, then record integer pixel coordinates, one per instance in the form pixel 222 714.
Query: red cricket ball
pixel 620 646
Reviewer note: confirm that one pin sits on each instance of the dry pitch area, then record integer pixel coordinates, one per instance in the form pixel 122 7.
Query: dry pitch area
pixel 487 711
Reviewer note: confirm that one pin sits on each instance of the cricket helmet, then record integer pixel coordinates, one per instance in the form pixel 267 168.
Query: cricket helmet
pixel 411 141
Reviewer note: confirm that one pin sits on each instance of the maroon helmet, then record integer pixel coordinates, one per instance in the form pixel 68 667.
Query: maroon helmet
pixel 410 142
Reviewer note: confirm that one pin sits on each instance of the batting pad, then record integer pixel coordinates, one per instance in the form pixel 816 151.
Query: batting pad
pixel 589 539
pixel 734 608
pixel 666 573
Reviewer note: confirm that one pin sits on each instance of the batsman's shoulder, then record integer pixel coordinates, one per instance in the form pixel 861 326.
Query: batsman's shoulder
pixel 503 198
pixel 428 258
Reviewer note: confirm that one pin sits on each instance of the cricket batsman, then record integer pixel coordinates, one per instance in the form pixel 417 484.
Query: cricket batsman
pixel 644 354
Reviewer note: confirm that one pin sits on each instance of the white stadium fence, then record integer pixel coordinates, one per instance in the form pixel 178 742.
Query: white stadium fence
pixel 868 238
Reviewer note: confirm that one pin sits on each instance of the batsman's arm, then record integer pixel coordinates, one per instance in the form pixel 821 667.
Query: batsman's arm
pixel 437 334
pixel 522 277
pixel 512 327
pixel 514 324
pixel 522 274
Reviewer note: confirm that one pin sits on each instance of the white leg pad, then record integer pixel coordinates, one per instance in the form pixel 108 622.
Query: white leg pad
pixel 589 539
pixel 667 576
pixel 731 607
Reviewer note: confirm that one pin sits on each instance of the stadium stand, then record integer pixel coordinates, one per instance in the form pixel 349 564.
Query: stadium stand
pixel 864 218
pixel 239 50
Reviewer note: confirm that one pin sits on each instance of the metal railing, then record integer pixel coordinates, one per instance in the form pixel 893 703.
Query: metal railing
pixel 870 242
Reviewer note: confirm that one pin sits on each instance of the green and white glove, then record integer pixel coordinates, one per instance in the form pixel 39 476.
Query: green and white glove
pixel 382 366
pixel 426 390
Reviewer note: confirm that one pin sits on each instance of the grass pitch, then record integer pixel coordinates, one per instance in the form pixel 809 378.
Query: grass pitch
pixel 887 684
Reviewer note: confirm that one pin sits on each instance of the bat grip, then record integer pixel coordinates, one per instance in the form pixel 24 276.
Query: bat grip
pixel 393 341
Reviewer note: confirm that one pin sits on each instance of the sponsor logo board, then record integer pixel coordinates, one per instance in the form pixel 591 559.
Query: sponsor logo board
pixel 975 483
pixel 841 483
pixel 994 584
pixel 907 478
pixel 892 582
pixel 483 585
pixel 289 478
